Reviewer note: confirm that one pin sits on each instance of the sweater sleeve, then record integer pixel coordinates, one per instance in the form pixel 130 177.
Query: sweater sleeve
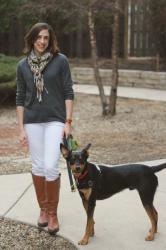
pixel 21 87
pixel 67 81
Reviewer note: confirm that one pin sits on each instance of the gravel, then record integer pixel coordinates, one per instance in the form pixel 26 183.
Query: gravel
pixel 14 164
pixel 19 236
pixel 136 133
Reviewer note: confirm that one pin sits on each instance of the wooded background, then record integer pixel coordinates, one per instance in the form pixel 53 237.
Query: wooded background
pixel 147 26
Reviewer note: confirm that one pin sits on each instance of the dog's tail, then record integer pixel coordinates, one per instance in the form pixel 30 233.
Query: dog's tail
pixel 158 167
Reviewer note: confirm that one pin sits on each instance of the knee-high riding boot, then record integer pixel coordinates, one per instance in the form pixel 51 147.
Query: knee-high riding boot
pixel 40 188
pixel 53 188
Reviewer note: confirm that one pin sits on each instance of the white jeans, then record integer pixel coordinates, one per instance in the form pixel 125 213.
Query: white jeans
pixel 44 144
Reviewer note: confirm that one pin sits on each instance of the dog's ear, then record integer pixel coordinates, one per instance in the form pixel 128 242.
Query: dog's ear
pixel 65 152
pixel 87 147
pixel 86 150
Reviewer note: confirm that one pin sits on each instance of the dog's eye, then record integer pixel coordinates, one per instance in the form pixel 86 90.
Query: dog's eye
pixel 72 161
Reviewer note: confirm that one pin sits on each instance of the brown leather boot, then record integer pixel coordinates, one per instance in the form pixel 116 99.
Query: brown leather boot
pixel 40 188
pixel 53 188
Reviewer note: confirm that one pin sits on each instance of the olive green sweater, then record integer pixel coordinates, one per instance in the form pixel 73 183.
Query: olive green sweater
pixel 57 89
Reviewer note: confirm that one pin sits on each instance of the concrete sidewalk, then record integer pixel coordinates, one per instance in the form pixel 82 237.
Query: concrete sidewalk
pixel 127 92
pixel 121 222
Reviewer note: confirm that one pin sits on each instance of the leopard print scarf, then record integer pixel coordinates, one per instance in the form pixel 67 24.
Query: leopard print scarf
pixel 37 65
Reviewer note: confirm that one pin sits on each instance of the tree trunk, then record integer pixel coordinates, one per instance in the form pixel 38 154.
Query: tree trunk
pixel 20 37
pixel 71 42
pixel 12 38
pixel 115 50
pixel 79 34
pixel 95 62
pixel 158 62
pixel 79 42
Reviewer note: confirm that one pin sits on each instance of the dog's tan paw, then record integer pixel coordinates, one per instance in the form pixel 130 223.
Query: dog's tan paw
pixel 149 237
pixel 83 242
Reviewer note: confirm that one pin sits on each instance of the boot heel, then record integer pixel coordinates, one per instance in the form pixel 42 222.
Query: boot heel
pixel 42 224
pixel 54 231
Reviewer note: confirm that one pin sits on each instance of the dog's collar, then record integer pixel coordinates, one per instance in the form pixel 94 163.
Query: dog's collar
pixel 82 176
pixel 86 172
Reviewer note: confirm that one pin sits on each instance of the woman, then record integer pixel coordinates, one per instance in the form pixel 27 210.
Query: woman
pixel 44 101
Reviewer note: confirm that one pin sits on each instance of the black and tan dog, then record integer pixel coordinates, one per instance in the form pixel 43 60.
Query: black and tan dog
pixel 97 182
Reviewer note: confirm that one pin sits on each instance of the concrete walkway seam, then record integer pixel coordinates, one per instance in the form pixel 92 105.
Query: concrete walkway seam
pixel 19 198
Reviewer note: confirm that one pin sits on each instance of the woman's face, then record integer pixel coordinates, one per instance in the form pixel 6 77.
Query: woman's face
pixel 42 42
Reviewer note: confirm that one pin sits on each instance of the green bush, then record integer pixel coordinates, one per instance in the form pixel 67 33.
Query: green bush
pixel 7 68
pixel 8 85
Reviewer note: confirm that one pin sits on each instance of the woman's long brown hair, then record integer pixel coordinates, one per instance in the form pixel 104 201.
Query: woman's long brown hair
pixel 32 35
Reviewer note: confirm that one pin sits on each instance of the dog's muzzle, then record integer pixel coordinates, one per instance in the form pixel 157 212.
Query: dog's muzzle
pixel 78 169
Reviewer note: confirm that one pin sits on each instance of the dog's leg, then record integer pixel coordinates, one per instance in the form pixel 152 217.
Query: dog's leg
pixel 85 204
pixel 93 230
pixel 153 218
pixel 90 224
pixel 156 218
pixel 147 191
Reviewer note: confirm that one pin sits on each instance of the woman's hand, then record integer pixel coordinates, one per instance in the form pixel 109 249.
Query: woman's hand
pixel 23 138
pixel 21 131
pixel 67 130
